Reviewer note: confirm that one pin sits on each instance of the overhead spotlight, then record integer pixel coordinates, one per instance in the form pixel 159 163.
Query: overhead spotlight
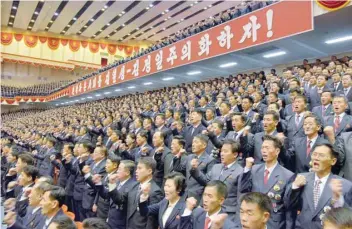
pixel 151 5
pixel 108 24
pixel 36 13
pixel 85 26
pixel 339 39
pixel 29 27
pixel 74 19
pixel 210 5
pixel 97 95
pixel 103 9
pixel 167 10
pixel 12 16
pixel 10 23
pixel 195 2
pixel 274 54
pixel 106 93
pixel 165 19
pixel 147 8
pixel 228 65
pixel 32 20
pixel 107 36
pixel 89 97
pixel 193 73
pixel 46 27
pixel 168 78
pixel 64 31
pixel 123 25
pixel 83 98
pixel 69 26
pixel 129 34
pixel 92 19
pixel 205 8
pixel 148 83
pixel 120 15
pixel 123 12
pixel 118 90
pixel 191 4
pixel 137 28
pixel 178 21
pixel 101 30
pixel 151 27
pixel 131 87
pixel 56 13
pixel 79 32
pixel 105 6
pixel 163 13
pixel 169 17
pixel 51 21
pixel 14 7
pixel 164 28
pixel 182 19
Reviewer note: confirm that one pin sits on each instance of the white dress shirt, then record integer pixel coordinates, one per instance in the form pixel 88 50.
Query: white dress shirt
pixel 168 212
pixel 270 169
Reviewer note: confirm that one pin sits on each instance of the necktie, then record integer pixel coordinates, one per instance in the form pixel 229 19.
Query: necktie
pixel 316 192
pixel 207 223
pixel 192 131
pixel 297 120
pixel 266 176
pixel 323 110
pixel 336 86
pixel 337 123
pixel 235 135
pixel 345 90
pixel 119 186
pixel 309 147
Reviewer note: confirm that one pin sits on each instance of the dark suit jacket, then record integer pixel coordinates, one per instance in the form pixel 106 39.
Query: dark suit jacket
pixel 292 130
pixel 205 164
pixel 29 221
pixel 344 143
pixel 158 175
pixel 159 209
pixel 188 135
pixel 319 112
pixel 197 220
pixel 277 185
pixel 229 177
pixel 134 219
pixel 46 168
pixel 303 199
pixel 21 205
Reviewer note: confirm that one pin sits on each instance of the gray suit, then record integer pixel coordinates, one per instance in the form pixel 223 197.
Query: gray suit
pixel 345 123
pixel 318 111
pixel 288 110
pixel 314 97
pixel 344 143
pixel 230 178
pixel 292 130
pixel 302 199
pixel 277 185
pixel 205 164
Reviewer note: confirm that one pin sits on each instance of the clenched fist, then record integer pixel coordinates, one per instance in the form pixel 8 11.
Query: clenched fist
pixel 336 188
pixel 249 162
pixel 300 181
pixel 194 163
pixel 191 203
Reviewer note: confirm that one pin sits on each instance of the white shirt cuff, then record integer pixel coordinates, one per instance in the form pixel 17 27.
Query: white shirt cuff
pixel 87 176
pixel 187 212
pixel 294 187
pixel 246 170
pixel 99 183
pixel 340 202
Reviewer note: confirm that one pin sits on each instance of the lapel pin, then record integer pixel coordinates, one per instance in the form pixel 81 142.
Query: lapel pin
pixel 276 188
pixel 326 209
pixel 271 195
pixel 277 197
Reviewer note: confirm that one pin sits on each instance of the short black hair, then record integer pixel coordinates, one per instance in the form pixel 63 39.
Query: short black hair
pixel 143 134
pixel 27 158
pixel 31 171
pixel 334 153
pixel 219 123
pixel 220 186
pixel 180 140
pixel 64 222
pixel 180 181
pixel 242 116
pixel 250 99
pixel 203 138
pixel 339 217
pixel 263 201
pixel 95 223
pixel 114 159
pixel 275 115
pixel 47 179
pixel 130 165
pixel 235 146
pixel 57 193
pixel 149 162
pixel 274 139
pixel 162 133
pixel 88 146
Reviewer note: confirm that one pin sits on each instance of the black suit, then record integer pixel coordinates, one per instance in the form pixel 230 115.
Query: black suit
pixel 134 219
pixel 158 175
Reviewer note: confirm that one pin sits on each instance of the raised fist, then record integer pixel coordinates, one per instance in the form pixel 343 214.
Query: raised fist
pixel 194 163
pixel 249 162
pixel 113 179
pixel 336 188
pixel 10 218
pixel 52 158
pixel 86 169
pixel 300 181
pixel 96 178
pixel 191 203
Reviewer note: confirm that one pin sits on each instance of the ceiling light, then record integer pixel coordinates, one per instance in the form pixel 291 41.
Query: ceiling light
pixel 182 19
pixel 32 20
pixel 64 31
pixel 205 8
pixel 147 8
pixel 56 13
pixel 148 83
pixel 274 54
pixel 85 26
pixel 62 103
pixel 42 0
pixel 103 9
pixel 120 15
pixel 191 4
pixel 66 102
pixel 69 26
pixel 36 13
pixel 105 6
pixel 137 28
pixel 178 21
pixel 79 32
pixel 94 35
pixel 107 36
pixel 12 16
pixel 46 27
pixel 83 98
pixel 123 25
pixel 29 27
pixel 163 13
pixel 97 95
pixel 74 19
pixel 167 10
pixel 169 17
pixel 193 73
pixel 76 100
pixel 123 12
pixel 92 19
pixel 210 17
pixel 337 40
pixel 164 28
pixel 131 87
pixel 151 27
pixel 56 104
pixel 51 21
pixel 168 78
pixel 210 5
pixel 118 90
pixel 228 65
pixel 14 7
pixel 151 5
pixel 101 30
pixel 165 19
pixel 195 2
pixel 106 93
pixel 108 24
pixel 89 97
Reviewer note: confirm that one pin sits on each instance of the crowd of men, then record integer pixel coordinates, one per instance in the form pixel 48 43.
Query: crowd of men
pixel 248 151
pixel 36 90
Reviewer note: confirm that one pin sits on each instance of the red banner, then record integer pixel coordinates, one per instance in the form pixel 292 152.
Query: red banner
pixel 18 37
pixel 74 45
pixel 53 43
pixel 332 5
pixel 271 23
pixel 6 38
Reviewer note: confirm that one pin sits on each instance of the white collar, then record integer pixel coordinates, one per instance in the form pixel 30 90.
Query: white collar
pixel 123 182
pixel 213 216
pixel 145 182
pixel 230 165
pixel 313 139
pixel 35 210
pixel 341 115
pixel 240 132
pixel 323 180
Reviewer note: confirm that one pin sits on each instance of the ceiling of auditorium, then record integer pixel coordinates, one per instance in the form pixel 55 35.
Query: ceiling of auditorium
pixel 114 20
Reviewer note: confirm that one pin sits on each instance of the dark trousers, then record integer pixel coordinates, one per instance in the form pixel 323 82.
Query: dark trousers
pixel 69 203
pixel 77 209
pixel 87 213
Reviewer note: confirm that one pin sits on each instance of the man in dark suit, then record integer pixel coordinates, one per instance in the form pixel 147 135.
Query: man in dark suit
pixel 199 160
pixel 340 120
pixel 271 179
pixel 214 196
pixel 90 169
pixel 189 132
pixel 325 109
pixel 347 85
pixel 227 172
pixel 295 121
pixel 46 168
pixel 115 139
pixel 144 174
pixel 63 173
pixel 160 126
pixel 84 135
pixel 314 193
pixel 107 141
pixel 143 149
pixel 247 105
pixel 300 150
pixel 344 143
pixel 256 209
pixel 336 85
pixel 159 153
pixel 289 107
pixel 214 131
pixel 315 93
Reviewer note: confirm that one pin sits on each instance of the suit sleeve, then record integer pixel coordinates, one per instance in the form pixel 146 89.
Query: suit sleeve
pixel 293 197
pixel 153 209
pixel 245 182
pixel 247 145
pixel 180 165
pixel 200 177
pixel 216 142
pixel 118 197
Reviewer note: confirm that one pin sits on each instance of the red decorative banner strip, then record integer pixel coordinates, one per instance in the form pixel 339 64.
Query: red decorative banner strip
pixel 18 37
pixel 6 38
pixel 84 44
pixel 43 39
pixel 128 50
pixel 30 40
pixel 53 43
pixel 93 47
pixel 103 45
pixel 74 45
pixel 332 5
pixel 64 42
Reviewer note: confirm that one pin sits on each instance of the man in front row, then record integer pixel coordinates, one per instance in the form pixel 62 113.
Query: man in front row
pixel 315 193
pixel 271 179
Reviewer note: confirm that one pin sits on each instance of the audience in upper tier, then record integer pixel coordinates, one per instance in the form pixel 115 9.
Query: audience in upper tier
pixel 257 151
pixel 37 90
